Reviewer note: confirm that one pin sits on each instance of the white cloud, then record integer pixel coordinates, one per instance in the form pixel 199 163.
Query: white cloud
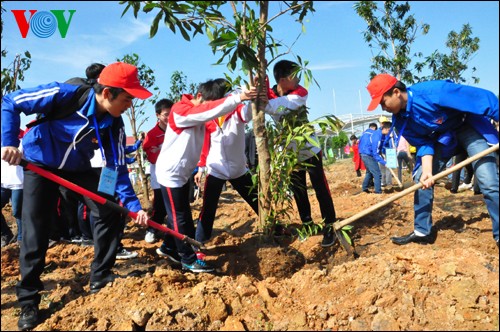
pixel 100 46
pixel 331 65
pixel 130 31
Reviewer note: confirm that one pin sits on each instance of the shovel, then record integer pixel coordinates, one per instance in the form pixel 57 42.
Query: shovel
pixel 103 201
pixel 338 225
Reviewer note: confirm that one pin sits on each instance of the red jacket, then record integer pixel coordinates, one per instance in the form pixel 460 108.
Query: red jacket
pixel 358 163
pixel 153 142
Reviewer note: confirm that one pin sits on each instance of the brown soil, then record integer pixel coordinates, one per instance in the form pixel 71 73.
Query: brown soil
pixel 452 284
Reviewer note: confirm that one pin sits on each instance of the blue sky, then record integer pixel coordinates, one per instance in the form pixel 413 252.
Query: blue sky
pixel 332 43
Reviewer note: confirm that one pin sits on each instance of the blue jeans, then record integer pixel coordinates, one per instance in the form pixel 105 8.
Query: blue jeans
pixel 372 172
pixel 16 197
pixel 485 170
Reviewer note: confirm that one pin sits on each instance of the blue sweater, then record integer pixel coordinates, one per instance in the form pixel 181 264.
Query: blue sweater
pixel 369 144
pixel 67 143
pixel 436 108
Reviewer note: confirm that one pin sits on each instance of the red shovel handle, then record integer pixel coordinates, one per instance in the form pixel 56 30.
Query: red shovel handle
pixel 104 201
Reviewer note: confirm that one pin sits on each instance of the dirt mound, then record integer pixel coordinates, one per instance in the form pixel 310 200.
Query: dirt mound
pixel 287 285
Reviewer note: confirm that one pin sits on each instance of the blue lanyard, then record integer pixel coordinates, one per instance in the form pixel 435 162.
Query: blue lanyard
pixel 400 132
pixel 110 142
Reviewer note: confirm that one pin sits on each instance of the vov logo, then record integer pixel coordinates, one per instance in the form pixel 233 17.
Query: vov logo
pixel 43 24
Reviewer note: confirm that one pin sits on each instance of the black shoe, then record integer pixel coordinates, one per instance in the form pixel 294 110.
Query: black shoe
pixel 52 243
pixel 6 239
pixel 428 239
pixel 96 286
pixel 86 242
pixel 28 318
pixel 172 255
pixel 328 237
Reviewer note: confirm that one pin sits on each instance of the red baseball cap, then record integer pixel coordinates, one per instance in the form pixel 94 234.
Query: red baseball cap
pixel 379 85
pixel 125 76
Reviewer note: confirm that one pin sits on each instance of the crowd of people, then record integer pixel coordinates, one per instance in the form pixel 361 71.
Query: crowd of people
pixel 204 134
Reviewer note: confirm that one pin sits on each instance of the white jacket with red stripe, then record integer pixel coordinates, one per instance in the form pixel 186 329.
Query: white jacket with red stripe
pixel 291 101
pixel 224 149
pixel 184 137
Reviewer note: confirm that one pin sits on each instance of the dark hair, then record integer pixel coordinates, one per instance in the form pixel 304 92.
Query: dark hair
pixel 353 137
pixel 224 85
pixel 163 104
pixel 399 85
pixel 213 89
pixel 284 68
pixel 98 88
pixel 373 125
pixel 93 71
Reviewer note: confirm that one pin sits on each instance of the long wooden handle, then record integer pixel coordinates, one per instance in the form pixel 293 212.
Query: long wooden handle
pixel 395 177
pixel 392 172
pixel 415 187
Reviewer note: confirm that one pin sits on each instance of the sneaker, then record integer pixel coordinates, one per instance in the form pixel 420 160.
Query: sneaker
pixel 125 254
pixel 172 255
pixel 201 256
pixel 328 237
pixel 86 242
pixel 76 240
pixel 28 318
pixel 464 187
pixel 150 236
pixel 52 243
pixel 6 239
pixel 198 266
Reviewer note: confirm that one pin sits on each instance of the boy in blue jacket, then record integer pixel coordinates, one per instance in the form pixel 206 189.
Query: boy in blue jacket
pixel 64 146
pixel 441 118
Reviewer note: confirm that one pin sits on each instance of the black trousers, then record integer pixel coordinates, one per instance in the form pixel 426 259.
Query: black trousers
pixel 179 219
pixel 213 188
pixel 320 185
pixel 159 212
pixel 70 226
pixel 39 202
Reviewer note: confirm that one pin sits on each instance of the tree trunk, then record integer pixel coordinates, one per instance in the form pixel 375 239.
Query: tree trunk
pixel 259 127
pixel 144 181
pixel 142 173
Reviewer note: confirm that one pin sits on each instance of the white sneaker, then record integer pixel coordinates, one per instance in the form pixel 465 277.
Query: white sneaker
pixel 464 187
pixel 150 237
pixel 125 254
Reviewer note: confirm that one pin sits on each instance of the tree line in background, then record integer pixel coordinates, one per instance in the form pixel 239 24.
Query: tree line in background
pixel 247 44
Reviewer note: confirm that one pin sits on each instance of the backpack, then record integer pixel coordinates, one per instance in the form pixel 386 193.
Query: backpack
pixel 73 105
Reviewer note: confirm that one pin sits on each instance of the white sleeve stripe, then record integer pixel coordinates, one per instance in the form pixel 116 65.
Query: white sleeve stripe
pixel 32 96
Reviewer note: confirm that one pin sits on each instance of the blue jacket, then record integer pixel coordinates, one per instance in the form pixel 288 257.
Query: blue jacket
pixel 67 143
pixel 436 109
pixel 369 144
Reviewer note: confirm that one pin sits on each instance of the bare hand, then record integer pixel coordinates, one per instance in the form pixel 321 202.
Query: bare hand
pixel 426 180
pixel 426 177
pixel 12 155
pixel 197 177
pixel 263 99
pixel 249 94
pixel 142 218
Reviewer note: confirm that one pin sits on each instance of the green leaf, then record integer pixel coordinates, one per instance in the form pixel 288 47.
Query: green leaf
pixel 154 25
pixel 347 237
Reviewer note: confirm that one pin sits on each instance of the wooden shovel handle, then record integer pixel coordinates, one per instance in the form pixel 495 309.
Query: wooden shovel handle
pixel 338 225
